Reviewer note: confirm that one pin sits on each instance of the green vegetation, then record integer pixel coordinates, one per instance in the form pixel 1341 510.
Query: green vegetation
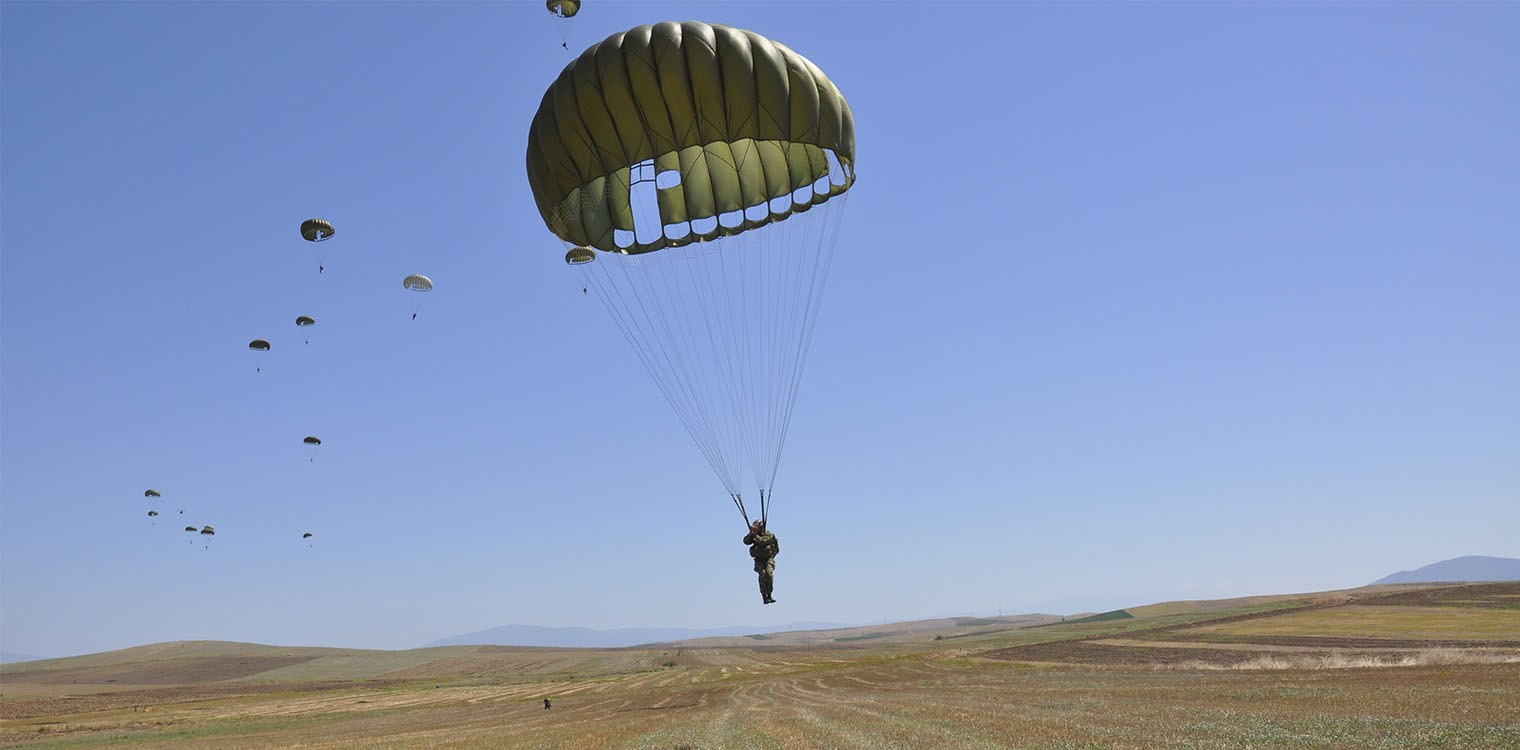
pixel 1118 614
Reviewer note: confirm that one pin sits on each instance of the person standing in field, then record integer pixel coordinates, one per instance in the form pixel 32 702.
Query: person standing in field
pixel 546 704
pixel 764 548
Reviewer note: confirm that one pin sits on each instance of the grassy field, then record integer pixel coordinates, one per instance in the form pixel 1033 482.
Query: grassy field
pixel 1439 667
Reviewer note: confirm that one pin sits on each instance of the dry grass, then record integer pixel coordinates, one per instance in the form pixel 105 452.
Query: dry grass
pixel 1157 681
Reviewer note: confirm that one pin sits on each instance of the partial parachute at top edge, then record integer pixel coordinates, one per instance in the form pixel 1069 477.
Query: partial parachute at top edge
pixel 744 122
pixel 563 8
pixel 317 230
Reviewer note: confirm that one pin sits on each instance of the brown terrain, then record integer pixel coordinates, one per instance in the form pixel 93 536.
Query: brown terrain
pixel 1412 665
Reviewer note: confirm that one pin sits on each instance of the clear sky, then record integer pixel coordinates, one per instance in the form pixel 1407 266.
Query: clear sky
pixel 1131 300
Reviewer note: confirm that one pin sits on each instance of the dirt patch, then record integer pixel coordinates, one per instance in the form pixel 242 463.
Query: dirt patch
pixel 1500 595
pixel 1087 652
pixel 1317 641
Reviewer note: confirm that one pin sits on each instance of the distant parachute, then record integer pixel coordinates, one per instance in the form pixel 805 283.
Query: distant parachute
pixel 260 348
pixel 152 494
pixel 208 531
pixel 152 514
pixel 190 528
pixel 564 8
pixel 579 255
pixel 417 283
pixel 312 440
pixel 307 535
pixel 318 230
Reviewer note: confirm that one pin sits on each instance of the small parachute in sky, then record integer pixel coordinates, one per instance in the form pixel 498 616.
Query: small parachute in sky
pixel 152 514
pixel 579 255
pixel 307 535
pixel 152 494
pixel 208 531
pixel 318 230
pixel 315 443
pixel 561 10
pixel 259 347
pixel 305 321
pixel 191 528
pixel 417 283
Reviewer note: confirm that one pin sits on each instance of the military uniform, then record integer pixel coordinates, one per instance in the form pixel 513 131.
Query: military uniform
pixel 764 548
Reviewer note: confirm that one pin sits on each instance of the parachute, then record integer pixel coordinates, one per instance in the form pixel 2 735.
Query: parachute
pixel 563 8
pixel 305 321
pixel 152 514
pixel 208 532
pixel 417 283
pixel 190 528
pixel 696 175
pixel 152 494
pixel 260 348
pixel 317 230
pixel 312 440
pixel 307 535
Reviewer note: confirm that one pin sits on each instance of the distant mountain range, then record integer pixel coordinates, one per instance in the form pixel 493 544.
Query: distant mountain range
pixel 537 635
pixel 1469 568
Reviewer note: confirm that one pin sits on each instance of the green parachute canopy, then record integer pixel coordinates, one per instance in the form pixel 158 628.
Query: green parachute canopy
pixel 709 166
pixel 189 528
pixel 152 513
pixel 305 320
pixel 312 440
pixel 737 131
pixel 307 535
pixel 317 230
pixel 418 283
pixel 152 494
pixel 208 531
pixel 563 8
pixel 259 345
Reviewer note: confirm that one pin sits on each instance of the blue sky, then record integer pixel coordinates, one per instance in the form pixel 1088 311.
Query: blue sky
pixel 1131 300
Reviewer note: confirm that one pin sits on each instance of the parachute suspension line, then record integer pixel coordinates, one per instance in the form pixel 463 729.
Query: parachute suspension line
pixel 658 362
pixel 828 236
pixel 739 501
